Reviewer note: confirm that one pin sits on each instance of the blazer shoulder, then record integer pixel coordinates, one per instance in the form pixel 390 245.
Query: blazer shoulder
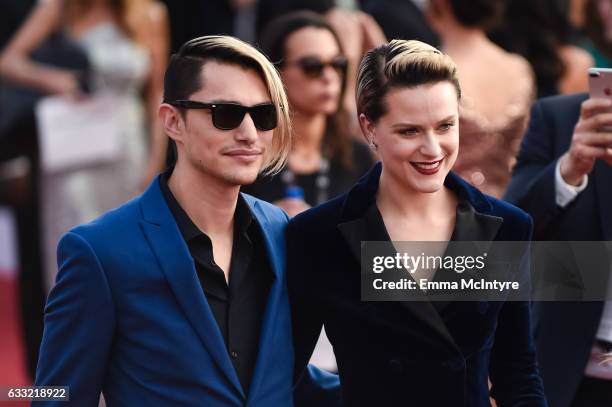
pixel 512 215
pixel 561 107
pixel 327 214
pixel 116 222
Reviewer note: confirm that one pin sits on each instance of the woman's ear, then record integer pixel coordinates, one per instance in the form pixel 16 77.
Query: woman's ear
pixel 367 128
pixel 172 120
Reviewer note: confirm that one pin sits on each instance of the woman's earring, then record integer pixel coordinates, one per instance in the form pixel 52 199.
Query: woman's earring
pixel 372 145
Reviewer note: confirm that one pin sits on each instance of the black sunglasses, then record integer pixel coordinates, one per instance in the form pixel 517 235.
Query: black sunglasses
pixel 228 115
pixel 313 66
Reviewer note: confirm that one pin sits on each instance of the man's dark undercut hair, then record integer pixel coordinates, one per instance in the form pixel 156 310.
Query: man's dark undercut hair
pixel 183 75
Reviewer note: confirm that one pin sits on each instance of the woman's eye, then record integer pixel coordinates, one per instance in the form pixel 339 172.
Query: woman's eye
pixel 446 126
pixel 409 131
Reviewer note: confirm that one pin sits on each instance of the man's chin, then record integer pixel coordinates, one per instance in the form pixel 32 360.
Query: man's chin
pixel 244 178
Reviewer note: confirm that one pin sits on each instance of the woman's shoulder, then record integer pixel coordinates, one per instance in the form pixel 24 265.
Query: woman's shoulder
pixel 514 218
pixel 490 205
pixel 321 217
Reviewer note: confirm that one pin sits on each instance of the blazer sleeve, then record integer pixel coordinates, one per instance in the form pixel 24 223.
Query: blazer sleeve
pixel 513 369
pixel 532 187
pixel 312 385
pixel 79 326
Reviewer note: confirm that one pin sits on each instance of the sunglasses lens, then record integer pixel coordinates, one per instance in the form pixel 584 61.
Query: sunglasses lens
pixel 340 64
pixel 264 116
pixel 311 67
pixel 228 116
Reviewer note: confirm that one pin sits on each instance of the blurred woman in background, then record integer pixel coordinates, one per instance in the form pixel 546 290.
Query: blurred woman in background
pixel 546 40
pixel 325 160
pixel 498 88
pixel 598 31
pixel 126 44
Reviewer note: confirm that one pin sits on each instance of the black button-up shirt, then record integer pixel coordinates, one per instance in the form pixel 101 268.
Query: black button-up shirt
pixel 238 307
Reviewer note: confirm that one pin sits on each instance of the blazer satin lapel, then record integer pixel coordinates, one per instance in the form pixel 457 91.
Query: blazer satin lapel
pixel 173 256
pixel 274 241
pixel 603 185
pixel 471 226
pixel 361 230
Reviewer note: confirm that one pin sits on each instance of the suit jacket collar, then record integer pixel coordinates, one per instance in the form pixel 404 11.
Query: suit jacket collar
pixel 172 254
pixel 363 194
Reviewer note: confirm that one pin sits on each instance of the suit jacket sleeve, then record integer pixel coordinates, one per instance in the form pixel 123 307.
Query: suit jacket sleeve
pixel 312 385
pixel 305 316
pixel 532 187
pixel 79 325
pixel 513 369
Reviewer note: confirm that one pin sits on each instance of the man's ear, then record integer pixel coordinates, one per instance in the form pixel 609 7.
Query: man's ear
pixel 172 120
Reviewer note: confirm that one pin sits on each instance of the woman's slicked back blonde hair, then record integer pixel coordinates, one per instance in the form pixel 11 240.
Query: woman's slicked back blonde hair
pixel 183 78
pixel 400 63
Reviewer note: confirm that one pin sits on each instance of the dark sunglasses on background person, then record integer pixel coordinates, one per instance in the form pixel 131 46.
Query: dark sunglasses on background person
pixel 313 66
pixel 229 115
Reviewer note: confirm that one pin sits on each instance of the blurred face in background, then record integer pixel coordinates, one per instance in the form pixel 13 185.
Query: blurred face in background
pixel 236 156
pixel 313 71
pixel 417 140
pixel 604 9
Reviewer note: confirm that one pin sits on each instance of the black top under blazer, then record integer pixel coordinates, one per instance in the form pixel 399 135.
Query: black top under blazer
pixel 408 353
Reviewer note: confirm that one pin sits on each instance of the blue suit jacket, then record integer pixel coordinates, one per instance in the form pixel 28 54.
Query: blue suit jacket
pixel 128 317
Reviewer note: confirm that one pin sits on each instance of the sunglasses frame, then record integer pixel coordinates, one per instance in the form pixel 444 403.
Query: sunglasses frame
pixel 338 63
pixel 193 104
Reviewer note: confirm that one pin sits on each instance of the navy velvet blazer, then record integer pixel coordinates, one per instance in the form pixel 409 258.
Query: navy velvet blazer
pixel 408 353
pixel 128 317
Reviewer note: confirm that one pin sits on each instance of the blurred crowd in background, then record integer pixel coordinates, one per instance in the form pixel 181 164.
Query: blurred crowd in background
pixel 95 68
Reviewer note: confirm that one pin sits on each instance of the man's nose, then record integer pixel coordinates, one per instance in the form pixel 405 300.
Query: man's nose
pixel 247 132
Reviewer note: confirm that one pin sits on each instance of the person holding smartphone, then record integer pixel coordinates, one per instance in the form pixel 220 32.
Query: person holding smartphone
pixel 562 179
pixel 410 353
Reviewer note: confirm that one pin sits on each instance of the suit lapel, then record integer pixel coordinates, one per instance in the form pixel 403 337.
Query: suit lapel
pixel 275 250
pixel 474 227
pixel 176 263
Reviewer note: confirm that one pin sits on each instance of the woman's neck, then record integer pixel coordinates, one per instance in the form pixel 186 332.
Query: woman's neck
pixel 306 154
pixel 309 131
pixel 458 36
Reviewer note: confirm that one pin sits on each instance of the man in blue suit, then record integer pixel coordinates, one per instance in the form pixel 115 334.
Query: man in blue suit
pixel 178 297
pixel 562 178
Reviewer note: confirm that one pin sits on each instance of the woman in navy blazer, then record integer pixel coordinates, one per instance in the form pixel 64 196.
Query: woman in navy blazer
pixel 410 353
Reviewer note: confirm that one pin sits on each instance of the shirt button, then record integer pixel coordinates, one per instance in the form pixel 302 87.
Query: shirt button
pixel 234 354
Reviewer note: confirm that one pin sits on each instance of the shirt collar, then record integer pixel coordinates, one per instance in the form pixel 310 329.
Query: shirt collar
pixel 243 216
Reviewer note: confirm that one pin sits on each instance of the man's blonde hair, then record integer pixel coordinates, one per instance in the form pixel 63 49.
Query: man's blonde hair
pixel 183 78
pixel 400 63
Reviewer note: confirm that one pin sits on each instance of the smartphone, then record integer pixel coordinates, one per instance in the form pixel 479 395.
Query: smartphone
pixel 600 82
pixel 600 86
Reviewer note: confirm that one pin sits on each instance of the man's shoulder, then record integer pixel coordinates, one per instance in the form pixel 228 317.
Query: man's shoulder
pixel 562 106
pixel 113 225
